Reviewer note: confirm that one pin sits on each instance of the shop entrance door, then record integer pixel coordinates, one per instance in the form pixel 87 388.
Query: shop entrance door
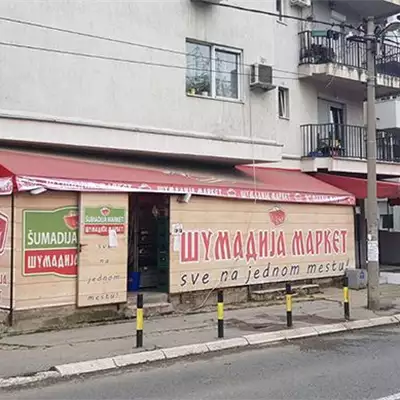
pixel 149 240
pixel 103 245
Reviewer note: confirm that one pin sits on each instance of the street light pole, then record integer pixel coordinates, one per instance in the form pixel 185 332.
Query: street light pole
pixel 372 201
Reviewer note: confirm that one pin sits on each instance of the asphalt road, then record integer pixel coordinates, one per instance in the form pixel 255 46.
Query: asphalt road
pixel 360 365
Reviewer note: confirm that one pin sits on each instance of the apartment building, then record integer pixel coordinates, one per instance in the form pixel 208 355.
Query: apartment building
pixel 148 131
pixel 77 91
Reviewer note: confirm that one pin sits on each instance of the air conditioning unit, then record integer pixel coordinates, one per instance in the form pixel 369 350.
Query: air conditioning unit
pixel 300 3
pixel 261 77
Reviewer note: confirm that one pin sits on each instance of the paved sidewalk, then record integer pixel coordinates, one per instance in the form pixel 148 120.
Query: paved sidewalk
pixel 31 353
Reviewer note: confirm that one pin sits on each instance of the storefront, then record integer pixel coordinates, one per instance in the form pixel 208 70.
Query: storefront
pixel 79 228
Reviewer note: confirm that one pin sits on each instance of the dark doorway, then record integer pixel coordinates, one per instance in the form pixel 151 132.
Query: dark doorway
pixel 149 240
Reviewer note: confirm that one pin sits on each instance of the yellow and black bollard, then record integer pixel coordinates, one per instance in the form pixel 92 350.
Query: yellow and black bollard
pixel 139 321
pixel 346 299
pixel 289 319
pixel 220 314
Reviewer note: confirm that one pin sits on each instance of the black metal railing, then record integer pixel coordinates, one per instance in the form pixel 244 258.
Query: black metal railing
pixel 347 141
pixel 388 60
pixel 317 47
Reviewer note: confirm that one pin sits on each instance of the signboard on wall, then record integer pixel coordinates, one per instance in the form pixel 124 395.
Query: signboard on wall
pixel 222 243
pixel 3 232
pixel 102 273
pixel 5 253
pixel 100 220
pixel 49 241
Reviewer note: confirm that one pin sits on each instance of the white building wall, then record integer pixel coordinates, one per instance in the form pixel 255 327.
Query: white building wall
pixel 136 106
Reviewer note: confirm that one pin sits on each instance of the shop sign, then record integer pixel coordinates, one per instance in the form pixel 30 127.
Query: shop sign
pixel 100 220
pixel 50 240
pixel 280 252
pixel 25 183
pixel 3 232
pixel 6 186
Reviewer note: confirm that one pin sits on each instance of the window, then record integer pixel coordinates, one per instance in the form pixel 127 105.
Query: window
pixel 283 101
pixel 212 71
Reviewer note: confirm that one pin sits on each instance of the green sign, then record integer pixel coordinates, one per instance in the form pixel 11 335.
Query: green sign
pixel 50 239
pixel 100 220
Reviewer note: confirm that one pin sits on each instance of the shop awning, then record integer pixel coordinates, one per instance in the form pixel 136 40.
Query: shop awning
pixel 359 187
pixel 32 170
pixel 292 180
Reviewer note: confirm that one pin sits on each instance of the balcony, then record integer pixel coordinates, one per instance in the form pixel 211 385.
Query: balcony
pixel 326 57
pixel 343 148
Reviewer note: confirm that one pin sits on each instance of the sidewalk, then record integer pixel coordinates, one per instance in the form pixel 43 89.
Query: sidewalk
pixel 31 353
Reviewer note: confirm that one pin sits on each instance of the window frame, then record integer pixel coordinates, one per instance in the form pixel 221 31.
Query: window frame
pixel 286 102
pixel 214 48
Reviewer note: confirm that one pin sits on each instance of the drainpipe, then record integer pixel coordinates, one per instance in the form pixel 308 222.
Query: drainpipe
pixel 11 313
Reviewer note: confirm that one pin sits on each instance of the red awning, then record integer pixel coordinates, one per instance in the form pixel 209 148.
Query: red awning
pixel 32 170
pixel 292 180
pixel 359 187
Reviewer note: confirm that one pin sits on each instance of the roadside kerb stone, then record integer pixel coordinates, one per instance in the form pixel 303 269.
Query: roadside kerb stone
pixel 138 358
pixel 26 380
pixel 227 344
pixel 327 329
pixel 360 324
pixel 381 321
pixel 182 351
pixel 397 316
pixel 85 367
pixel 268 337
pixel 298 333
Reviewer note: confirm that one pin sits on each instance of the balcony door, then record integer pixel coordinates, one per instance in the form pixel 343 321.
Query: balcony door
pixel 339 44
pixel 331 117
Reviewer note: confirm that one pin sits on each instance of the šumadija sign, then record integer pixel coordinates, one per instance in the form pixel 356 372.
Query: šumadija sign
pixel 209 246
pixel 50 239
pixel 209 258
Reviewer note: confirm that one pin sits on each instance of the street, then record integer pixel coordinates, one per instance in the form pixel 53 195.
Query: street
pixel 359 365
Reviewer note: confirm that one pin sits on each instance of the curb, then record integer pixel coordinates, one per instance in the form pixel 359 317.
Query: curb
pixel 145 357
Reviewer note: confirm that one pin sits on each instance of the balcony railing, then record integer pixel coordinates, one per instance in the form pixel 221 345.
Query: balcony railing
pixel 315 49
pixel 388 60
pixel 347 141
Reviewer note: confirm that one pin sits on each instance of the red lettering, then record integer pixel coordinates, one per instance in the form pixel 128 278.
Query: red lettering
pixel 272 243
pixel 222 247
pixel 189 247
pixel 310 243
pixel 343 233
pixel 298 243
pixel 251 247
pixel 319 237
pixel 327 241
pixel 336 240
pixel 206 237
pixel 238 246
pixel 263 244
pixel 281 245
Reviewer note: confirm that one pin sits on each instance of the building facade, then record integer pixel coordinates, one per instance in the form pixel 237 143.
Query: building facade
pixel 122 76
pixel 118 99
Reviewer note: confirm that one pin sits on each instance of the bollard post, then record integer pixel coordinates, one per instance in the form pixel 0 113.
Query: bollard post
pixel 346 300
pixel 289 319
pixel 139 321
pixel 220 314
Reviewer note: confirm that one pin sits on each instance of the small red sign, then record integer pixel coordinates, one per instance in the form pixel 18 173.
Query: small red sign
pixel 3 232
pixel 277 216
